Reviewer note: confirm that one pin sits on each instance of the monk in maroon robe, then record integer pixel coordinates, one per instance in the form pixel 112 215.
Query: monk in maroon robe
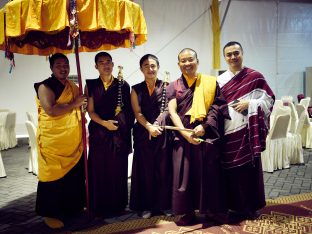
pixel 109 139
pixel 151 179
pixel 195 103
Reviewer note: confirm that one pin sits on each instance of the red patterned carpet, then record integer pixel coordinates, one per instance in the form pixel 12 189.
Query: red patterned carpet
pixel 292 214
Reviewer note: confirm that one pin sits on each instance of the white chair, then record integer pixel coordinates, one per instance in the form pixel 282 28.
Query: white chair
pixel 277 104
pixel 33 154
pixel 306 133
pixel 32 117
pixel 275 154
pixel 294 137
pixel 2 170
pixel 7 131
pixel 287 98
pixel 305 102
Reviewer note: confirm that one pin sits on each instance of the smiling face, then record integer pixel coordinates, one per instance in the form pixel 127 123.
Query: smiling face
pixel 60 69
pixel 234 57
pixel 188 63
pixel 105 66
pixel 149 68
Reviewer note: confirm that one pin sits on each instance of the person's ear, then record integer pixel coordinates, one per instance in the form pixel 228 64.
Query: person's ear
pixel 96 67
pixel 113 64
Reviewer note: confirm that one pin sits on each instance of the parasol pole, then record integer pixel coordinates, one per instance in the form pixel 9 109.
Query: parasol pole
pixel 83 122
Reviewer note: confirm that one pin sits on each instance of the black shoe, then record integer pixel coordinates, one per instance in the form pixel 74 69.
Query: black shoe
pixel 186 219
pixel 253 215
pixel 217 219
pixel 236 217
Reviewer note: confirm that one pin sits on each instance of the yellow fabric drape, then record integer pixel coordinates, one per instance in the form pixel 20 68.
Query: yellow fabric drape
pixel 108 83
pixel 204 95
pixel 52 16
pixel 45 16
pixel 59 138
pixel 215 18
pixel 189 81
pixel 2 27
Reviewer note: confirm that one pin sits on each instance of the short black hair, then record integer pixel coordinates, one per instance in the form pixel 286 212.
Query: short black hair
pixel 57 56
pixel 149 56
pixel 231 43
pixel 187 49
pixel 102 54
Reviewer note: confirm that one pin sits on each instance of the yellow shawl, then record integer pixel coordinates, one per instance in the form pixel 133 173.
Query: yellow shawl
pixel 59 138
pixel 204 95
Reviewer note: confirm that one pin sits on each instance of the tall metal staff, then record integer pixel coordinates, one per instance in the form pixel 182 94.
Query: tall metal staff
pixel 119 96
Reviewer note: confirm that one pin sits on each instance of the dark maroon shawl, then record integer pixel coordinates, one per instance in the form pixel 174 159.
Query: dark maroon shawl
pixel 241 146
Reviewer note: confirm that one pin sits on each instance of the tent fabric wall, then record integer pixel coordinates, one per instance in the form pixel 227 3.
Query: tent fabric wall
pixel 276 37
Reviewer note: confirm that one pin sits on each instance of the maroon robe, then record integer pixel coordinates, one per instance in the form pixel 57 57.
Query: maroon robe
pixel 197 174
pixel 109 150
pixel 242 149
pixel 151 180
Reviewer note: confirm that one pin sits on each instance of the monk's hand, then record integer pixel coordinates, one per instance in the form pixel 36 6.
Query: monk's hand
pixel 199 131
pixel 192 139
pixel 110 124
pixel 80 100
pixel 153 130
pixel 240 105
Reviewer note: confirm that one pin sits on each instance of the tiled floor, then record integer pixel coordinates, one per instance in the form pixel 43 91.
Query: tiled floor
pixel 18 193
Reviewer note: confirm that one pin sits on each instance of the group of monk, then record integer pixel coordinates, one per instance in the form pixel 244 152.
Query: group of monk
pixel 197 141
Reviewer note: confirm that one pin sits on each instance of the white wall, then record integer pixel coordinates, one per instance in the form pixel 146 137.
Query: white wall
pixel 276 37
pixel 276 41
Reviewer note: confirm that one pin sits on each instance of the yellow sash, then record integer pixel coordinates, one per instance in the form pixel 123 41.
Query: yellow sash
pixel 59 138
pixel 204 95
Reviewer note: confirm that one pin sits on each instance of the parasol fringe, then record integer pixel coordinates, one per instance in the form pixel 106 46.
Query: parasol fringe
pixel 8 54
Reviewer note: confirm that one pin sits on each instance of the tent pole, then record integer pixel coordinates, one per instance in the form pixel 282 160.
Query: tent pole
pixel 83 122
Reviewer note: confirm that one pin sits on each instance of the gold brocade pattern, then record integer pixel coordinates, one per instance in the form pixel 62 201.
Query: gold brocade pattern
pixel 272 222
pixel 59 138
pixel 276 222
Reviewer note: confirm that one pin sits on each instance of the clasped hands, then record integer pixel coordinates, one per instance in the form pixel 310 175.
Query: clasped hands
pixel 240 105
pixel 194 137
pixel 154 130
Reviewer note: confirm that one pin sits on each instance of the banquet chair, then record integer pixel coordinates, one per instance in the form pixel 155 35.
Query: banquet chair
pixel 32 117
pixel 305 102
pixel 306 133
pixel 7 131
pixel 294 139
pixel 287 99
pixel 275 156
pixel 277 104
pixel 33 154
pixel 2 170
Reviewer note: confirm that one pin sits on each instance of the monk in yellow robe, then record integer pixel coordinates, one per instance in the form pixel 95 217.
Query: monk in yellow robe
pixel 61 186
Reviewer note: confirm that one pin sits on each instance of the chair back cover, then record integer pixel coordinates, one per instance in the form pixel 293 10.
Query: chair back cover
pixel 33 156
